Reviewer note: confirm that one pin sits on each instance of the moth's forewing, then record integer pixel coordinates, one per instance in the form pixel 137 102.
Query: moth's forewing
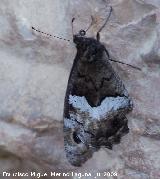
pixel 95 105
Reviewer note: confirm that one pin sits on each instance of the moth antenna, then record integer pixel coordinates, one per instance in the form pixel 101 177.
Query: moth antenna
pixel 92 19
pixel 98 33
pixel 135 67
pixel 50 34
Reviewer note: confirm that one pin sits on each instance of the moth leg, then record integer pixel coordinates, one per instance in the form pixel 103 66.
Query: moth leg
pixel 107 53
pixel 72 25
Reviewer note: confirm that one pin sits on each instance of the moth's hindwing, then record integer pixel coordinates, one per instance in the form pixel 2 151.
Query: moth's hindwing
pixel 96 103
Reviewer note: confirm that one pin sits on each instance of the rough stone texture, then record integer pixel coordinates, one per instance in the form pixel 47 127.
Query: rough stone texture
pixel 34 71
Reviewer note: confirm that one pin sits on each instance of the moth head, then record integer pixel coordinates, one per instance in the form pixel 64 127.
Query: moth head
pixel 77 38
pixel 82 32
pixel 89 48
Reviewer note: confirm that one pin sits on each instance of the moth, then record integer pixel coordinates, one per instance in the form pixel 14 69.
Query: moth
pixel 96 100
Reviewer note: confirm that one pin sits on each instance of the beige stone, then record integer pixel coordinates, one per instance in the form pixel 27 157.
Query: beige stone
pixel 34 70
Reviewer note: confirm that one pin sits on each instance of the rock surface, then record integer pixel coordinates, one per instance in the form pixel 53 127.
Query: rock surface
pixel 34 70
